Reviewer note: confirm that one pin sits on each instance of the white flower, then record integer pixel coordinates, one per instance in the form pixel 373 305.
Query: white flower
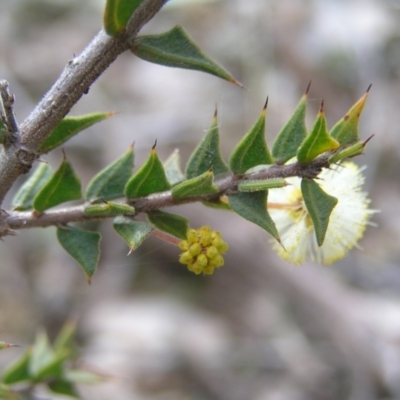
pixel 347 221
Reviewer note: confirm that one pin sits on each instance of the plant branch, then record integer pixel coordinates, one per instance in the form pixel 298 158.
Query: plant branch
pixel 74 82
pixel 14 220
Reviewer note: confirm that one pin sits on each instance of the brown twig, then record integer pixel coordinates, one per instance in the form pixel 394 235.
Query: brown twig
pixel 15 220
pixel 74 82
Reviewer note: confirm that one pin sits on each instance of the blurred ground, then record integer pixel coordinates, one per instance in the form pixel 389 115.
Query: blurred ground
pixel 258 329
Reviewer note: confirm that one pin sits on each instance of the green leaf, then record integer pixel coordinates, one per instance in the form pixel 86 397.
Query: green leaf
pixel 23 200
pixel 82 376
pixel 64 387
pixel 319 205
pixel 201 185
pixel 252 150
pixel 150 178
pixel 253 207
pixel 349 151
pixel 256 185
pixel 64 337
pixel 133 232
pixel 83 246
pixel 258 168
pixel 54 368
pixel 117 14
pixel 109 209
pixel 292 134
pixel 207 154
pixel 172 167
pixel 346 130
pixel 318 141
pixel 42 355
pixel 19 370
pixel 218 204
pixel 173 224
pixel 110 182
pixel 176 49
pixel 63 186
pixel 69 127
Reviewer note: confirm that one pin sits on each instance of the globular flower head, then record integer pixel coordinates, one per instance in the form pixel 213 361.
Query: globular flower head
pixel 347 221
pixel 202 250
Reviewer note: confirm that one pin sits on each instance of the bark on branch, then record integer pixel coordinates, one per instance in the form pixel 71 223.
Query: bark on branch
pixel 74 82
pixel 14 220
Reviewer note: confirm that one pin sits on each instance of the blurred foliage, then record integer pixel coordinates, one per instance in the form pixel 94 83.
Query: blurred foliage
pixel 48 365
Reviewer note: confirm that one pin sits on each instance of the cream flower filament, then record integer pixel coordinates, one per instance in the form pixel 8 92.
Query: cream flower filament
pixel 347 221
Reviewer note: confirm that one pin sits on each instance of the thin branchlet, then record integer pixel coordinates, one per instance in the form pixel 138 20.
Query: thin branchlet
pixel 15 220
pixel 75 81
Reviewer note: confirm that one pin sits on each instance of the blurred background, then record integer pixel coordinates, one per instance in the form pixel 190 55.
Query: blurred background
pixel 259 328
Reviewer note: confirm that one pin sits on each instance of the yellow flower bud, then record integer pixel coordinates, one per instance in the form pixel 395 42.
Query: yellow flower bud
pixel 217 261
pixel 192 236
pixel 202 260
pixel 186 258
pixel 184 245
pixel 205 236
pixel 211 252
pixel 195 249
pixel 221 246
pixel 197 269
pixel 208 270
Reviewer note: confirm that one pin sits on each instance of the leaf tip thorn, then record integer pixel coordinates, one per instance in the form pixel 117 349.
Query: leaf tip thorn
pixel 367 140
pixel 308 88
pixel 266 104
pixel 237 83
pixel 215 111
